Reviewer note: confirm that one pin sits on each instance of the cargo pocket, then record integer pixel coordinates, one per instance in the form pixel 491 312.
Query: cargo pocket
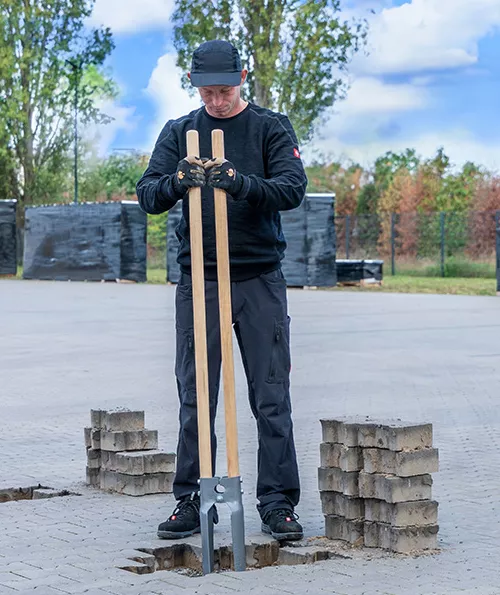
pixel 185 370
pixel 279 366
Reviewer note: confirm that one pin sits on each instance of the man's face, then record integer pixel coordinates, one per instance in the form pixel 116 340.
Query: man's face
pixel 220 101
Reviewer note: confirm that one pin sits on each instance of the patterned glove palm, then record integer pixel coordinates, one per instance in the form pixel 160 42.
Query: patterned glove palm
pixel 223 175
pixel 190 174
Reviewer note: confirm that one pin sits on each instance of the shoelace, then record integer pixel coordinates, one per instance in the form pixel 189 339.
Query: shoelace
pixel 184 506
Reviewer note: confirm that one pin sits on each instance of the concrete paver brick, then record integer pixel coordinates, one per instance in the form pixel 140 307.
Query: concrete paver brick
pixel 133 440
pixel 139 462
pixel 93 476
pixel 402 514
pixel 123 421
pixel 87 434
pixel 337 527
pixel 395 435
pixel 334 503
pixel 93 458
pixel 344 457
pixel 304 555
pixel 402 540
pixel 342 430
pixel 402 463
pixel 332 479
pixel 136 485
pixel 394 489
pixel 96 418
pixel 95 439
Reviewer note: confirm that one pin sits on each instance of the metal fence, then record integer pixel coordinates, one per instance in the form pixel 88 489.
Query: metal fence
pixel 423 244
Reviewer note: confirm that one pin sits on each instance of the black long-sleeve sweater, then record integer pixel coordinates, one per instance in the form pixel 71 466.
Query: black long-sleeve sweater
pixel 263 147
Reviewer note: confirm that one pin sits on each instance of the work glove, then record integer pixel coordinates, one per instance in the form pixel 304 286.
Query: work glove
pixel 223 175
pixel 190 174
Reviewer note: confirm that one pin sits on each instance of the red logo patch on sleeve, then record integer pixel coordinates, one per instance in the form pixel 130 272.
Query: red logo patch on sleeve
pixel 296 153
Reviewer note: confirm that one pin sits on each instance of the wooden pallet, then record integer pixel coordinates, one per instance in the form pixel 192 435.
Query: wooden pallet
pixel 360 283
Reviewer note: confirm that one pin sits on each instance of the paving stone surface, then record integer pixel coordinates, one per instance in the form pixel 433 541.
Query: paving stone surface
pixel 67 348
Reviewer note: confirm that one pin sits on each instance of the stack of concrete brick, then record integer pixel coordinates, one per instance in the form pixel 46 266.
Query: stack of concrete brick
pixel 375 483
pixel 123 456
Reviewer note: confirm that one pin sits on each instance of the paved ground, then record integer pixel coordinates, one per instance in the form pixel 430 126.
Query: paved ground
pixel 68 347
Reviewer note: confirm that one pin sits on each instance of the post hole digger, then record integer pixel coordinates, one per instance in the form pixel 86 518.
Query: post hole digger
pixel 215 490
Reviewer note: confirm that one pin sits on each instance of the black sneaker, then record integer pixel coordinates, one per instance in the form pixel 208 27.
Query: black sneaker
pixel 185 520
pixel 282 525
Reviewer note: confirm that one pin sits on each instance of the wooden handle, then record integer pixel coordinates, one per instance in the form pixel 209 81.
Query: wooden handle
pixel 225 313
pixel 199 317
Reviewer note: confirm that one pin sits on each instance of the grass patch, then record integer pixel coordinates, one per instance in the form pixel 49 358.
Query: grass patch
pixel 157 276
pixel 435 285
pixel 453 267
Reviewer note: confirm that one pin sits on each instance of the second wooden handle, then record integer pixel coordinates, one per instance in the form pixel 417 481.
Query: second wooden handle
pixel 226 317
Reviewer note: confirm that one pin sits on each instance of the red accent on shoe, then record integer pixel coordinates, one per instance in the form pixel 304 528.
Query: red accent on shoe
pixel 288 519
pixel 173 517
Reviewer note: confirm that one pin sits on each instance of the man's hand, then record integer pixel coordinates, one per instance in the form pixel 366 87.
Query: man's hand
pixel 190 174
pixel 222 174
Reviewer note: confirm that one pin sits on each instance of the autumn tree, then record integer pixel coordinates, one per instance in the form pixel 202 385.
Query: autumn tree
pixel 296 51
pixel 400 185
pixel 482 219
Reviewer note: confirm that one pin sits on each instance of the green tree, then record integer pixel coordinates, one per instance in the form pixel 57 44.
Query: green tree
pixel 367 199
pixel 458 190
pixel 296 50
pixel 390 164
pixel 37 38
pixel 113 177
pixel 7 165
pixel 321 176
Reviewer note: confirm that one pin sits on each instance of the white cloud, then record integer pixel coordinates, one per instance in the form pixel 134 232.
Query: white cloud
pixel 368 95
pixel 171 99
pixel 132 16
pixel 369 109
pixel 357 129
pixel 427 35
pixel 102 135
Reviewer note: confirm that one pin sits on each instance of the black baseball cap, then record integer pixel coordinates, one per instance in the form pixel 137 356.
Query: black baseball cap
pixel 216 62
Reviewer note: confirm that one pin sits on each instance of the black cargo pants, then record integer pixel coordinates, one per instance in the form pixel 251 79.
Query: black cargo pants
pixel 262 328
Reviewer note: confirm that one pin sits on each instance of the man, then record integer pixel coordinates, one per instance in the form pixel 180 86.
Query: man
pixel 262 176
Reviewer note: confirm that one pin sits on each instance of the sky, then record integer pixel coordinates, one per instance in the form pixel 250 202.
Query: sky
pixel 430 79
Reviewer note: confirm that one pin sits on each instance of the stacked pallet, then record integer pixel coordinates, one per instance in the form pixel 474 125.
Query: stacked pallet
pixel 376 485
pixel 123 456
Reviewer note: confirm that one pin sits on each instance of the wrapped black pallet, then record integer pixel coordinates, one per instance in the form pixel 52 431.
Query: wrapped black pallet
pixel 321 240
pixel 309 232
pixel 173 269
pixel 133 244
pixel 8 244
pixel 294 265
pixel 86 242
pixel 354 271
